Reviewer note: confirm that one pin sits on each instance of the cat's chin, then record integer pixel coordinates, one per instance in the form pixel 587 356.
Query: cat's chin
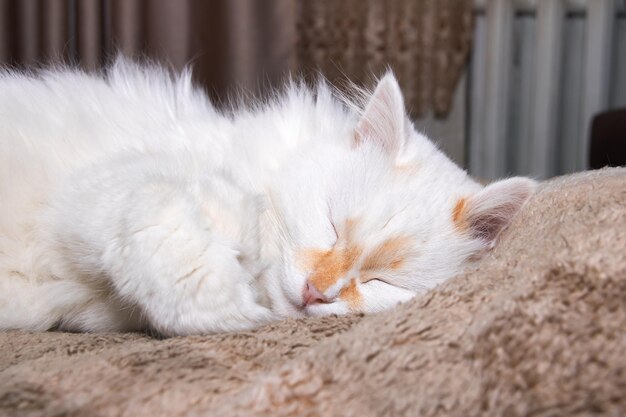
pixel 293 310
pixel 326 309
pixel 293 306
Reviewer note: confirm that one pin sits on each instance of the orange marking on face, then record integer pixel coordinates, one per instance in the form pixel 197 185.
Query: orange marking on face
pixel 328 266
pixel 351 295
pixel 458 214
pixel 409 168
pixel 347 233
pixel 390 254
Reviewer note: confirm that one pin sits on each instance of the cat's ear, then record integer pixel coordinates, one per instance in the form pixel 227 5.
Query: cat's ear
pixel 491 210
pixel 384 119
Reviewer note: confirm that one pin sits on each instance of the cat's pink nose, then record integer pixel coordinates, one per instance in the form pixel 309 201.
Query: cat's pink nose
pixel 311 295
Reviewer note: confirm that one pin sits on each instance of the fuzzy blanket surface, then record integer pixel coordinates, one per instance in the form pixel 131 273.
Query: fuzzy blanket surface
pixel 537 328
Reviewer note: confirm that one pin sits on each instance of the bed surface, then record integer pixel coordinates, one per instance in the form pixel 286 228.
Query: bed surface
pixel 538 327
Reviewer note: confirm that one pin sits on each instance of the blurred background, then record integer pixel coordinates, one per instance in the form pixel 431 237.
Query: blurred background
pixel 503 86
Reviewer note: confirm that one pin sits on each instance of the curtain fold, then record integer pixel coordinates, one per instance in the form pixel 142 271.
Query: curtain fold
pixel 250 45
pixel 166 31
pixel 53 26
pixel 89 33
pixel 126 26
pixel 27 31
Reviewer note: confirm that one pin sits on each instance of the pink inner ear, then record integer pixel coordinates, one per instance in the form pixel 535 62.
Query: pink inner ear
pixel 488 225
pixel 492 209
pixel 383 120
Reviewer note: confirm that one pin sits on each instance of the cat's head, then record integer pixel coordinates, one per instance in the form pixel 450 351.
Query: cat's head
pixel 376 214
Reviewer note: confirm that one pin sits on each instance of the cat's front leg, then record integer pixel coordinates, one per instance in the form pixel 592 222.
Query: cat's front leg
pixel 181 254
pixel 184 251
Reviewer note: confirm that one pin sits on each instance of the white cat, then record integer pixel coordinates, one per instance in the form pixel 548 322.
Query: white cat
pixel 128 202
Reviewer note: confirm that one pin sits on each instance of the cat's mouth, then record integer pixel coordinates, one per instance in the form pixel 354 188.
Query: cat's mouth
pixel 324 309
pixel 317 309
pixel 303 309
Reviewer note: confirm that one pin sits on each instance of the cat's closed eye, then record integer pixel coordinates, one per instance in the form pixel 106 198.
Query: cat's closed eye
pixel 372 277
pixel 332 224
pixel 377 280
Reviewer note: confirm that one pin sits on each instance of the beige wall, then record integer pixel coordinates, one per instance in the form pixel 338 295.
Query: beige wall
pixel 449 133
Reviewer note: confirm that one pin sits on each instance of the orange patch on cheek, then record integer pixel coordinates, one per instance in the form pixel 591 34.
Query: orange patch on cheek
pixel 459 216
pixel 390 254
pixel 351 295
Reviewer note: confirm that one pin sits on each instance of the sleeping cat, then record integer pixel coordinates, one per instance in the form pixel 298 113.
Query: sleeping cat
pixel 128 202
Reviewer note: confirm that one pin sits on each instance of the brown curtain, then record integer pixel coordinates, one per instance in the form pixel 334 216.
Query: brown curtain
pixel 250 44
pixel 230 43
pixel 425 42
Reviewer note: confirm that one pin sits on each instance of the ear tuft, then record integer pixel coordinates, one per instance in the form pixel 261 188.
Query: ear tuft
pixel 384 118
pixel 491 210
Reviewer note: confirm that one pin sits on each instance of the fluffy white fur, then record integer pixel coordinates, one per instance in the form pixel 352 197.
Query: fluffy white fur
pixel 128 202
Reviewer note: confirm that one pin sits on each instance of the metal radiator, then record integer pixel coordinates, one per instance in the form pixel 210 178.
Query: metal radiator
pixel 539 72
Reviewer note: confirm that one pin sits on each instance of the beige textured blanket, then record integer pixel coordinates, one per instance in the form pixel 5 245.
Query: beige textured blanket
pixel 539 328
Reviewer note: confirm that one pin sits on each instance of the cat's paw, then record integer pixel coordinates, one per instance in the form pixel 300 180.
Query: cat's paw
pixel 217 295
pixel 234 213
pixel 259 316
pixel 201 322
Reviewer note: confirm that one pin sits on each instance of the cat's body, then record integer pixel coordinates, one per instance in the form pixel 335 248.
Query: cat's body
pixel 127 201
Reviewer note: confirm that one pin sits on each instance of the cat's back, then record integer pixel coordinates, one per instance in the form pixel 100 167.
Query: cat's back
pixel 71 115
pixel 55 122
